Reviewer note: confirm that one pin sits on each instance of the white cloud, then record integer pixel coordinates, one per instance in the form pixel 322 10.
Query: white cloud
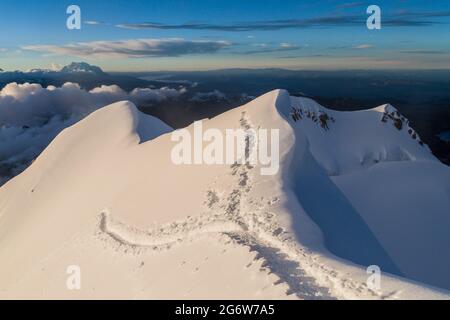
pixel 94 22
pixel 32 105
pixel 287 45
pixel 136 48
pixel 363 46
pixel 215 95
pixel 144 95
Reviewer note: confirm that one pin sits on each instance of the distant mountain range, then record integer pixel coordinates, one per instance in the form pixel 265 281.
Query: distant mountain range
pixel 86 75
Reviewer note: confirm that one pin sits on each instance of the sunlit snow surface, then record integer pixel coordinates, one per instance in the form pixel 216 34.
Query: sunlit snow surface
pixel 354 189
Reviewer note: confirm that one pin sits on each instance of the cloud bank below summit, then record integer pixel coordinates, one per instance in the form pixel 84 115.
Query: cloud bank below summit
pixel 32 105
pixel 31 116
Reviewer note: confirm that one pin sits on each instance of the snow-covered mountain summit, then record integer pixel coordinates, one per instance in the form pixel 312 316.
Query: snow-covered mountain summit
pixel 82 67
pixel 354 189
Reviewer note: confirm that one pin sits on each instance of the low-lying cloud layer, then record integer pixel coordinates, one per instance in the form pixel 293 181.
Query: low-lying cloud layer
pixel 136 48
pixel 214 95
pixel 31 116
pixel 32 105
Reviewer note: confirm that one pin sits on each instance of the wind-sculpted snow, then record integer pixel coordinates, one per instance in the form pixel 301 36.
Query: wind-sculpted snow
pixel 105 196
pixel 345 142
pixel 346 233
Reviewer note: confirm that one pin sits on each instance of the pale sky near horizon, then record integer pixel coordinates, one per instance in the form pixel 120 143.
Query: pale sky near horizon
pixel 138 35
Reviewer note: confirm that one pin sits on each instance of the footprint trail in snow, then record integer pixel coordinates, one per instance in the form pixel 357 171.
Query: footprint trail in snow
pixel 232 213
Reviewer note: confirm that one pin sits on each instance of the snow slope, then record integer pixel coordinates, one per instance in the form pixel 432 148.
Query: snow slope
pixel 106 196
pixel 390 179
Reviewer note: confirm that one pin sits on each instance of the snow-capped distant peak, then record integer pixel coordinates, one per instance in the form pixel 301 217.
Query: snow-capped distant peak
pixel 82 67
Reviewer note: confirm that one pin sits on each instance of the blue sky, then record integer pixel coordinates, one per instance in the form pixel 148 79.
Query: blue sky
pixel 145 35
